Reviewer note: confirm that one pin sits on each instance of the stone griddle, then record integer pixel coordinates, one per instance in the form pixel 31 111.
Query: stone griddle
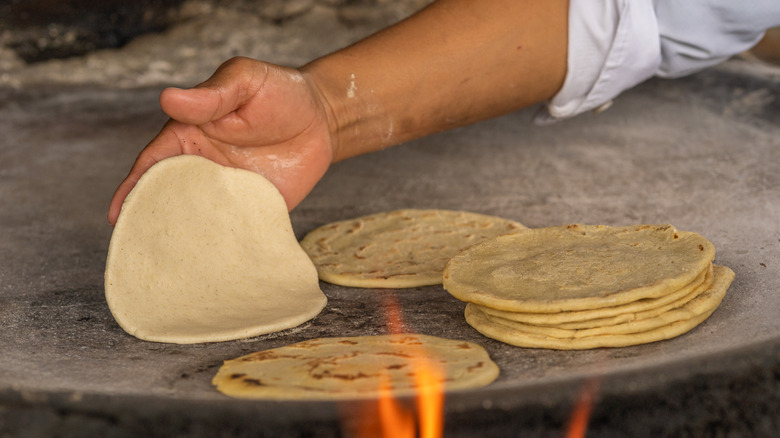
pixel 702 153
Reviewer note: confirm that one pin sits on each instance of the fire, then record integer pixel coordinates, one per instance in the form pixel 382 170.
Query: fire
pixel 392 417
pixel 578 423
pixel 426 421
pixel 430 402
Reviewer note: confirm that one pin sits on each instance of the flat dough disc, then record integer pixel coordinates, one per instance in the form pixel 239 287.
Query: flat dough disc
pixel 577 267
pixel 202 253
pixel 354 367
pixel 397 249
pixel 639 309
pixel 664 326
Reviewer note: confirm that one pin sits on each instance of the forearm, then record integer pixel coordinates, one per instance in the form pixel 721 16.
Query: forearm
pixel 454 63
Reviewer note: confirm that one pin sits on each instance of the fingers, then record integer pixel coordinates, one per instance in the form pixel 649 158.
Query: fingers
pixel 228 89
pixel 165 144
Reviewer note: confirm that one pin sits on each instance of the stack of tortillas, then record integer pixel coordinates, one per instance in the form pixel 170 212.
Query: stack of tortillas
pixel 398 249
pixel 580 286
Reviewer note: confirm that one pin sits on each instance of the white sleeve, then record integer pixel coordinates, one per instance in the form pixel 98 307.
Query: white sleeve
pixel 615 45
pixel 696 34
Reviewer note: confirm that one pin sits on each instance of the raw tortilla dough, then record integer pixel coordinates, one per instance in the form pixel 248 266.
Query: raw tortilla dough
pixel 398 249
pixel 205 253
pixel 354 367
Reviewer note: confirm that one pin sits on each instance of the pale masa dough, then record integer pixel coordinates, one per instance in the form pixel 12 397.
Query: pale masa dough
pixel 203 253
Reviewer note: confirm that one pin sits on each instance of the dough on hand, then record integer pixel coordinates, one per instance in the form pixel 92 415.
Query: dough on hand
pixel 204 253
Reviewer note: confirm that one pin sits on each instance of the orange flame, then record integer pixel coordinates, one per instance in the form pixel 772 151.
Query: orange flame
pixel 395 419
pixel 578 423
pixel 430 401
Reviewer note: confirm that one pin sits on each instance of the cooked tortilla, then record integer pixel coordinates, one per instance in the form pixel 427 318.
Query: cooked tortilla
pixel 355 367
pixel 577 267
pixel 397 249
pixel 204 253
pixel 665 326
pixel 612 315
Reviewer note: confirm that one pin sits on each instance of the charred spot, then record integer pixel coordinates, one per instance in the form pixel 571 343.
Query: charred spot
pixel 477 366
pixel 348 342
pixel 261 356
pixel 676 236
pixel 396 366
pixel 345 377
pixel 464 346
pixel 237 376
pixel 387 353
pixel 701 247
pixel 253 382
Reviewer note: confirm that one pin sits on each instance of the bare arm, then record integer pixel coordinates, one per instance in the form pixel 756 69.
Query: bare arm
pixel 454 63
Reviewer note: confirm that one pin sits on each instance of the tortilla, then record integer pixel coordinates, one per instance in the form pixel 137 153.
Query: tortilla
pixel 672 324
pixel 397 249
pixel 204 253
pixel 577 267
pixel 354 367
pixel 611 315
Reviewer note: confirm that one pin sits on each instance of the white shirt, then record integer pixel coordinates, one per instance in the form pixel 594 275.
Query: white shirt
pixel 615 45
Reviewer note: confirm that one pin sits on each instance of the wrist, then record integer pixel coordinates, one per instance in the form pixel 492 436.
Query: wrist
pixel 356 116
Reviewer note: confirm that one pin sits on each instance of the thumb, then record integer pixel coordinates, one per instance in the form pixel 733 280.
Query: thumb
pixel 228 89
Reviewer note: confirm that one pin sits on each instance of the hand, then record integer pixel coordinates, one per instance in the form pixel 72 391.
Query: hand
pixel 250 115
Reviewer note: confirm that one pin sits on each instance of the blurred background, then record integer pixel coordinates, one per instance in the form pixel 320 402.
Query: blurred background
pixel 163 42
pixel 159 42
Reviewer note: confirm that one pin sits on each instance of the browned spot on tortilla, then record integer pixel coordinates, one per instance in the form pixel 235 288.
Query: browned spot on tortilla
pixel 348 342
pixel 477 366
pixel 390 353
pixel 345 377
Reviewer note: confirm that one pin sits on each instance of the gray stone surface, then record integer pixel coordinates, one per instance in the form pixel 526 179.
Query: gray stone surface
pixel 702 153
